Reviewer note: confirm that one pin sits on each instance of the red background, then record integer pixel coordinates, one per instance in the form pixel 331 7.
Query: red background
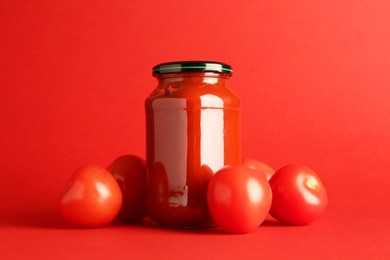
pixel 313 78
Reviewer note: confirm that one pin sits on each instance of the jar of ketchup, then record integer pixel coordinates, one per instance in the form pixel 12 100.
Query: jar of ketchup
pixel 192 130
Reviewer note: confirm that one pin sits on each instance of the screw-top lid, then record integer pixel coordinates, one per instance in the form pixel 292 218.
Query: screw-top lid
pixel 192 66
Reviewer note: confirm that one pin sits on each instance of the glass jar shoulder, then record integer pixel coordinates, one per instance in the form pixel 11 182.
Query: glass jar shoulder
pixel 205 93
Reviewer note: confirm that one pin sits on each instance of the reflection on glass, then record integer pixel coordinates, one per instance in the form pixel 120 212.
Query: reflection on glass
pixel 212 136
pixel 170 127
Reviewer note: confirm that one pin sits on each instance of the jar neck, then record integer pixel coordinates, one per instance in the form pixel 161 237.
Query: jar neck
pixel 193 78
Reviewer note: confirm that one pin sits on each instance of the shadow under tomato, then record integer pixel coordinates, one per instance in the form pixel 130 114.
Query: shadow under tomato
pixel 274 223
pixel 271 223
pixel 150 224
pixel 202 231
pixel 34 218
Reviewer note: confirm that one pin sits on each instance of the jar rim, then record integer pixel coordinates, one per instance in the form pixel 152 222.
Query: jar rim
pixel 192 66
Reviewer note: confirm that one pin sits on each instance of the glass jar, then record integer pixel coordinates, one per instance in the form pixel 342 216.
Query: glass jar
pixel 192 130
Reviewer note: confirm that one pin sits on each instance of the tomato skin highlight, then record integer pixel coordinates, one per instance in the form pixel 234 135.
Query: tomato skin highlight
pixel 238 198
pixel 92 198
pixel 130 173
pixel 262 167
pixel 299 196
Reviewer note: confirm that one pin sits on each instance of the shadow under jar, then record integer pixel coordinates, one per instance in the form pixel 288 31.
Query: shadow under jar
pixel 192 130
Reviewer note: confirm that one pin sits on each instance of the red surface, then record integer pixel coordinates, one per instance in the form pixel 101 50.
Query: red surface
pixel 313 77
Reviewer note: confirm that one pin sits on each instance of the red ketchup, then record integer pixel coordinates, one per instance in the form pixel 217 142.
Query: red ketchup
pixel 192 130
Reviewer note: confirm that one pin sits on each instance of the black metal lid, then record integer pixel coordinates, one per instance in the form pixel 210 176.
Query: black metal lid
pixel 192 66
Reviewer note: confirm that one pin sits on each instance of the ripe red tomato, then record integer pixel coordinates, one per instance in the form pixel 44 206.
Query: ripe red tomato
pixel 92 198
pixel 299 196
pixel 260 166
pixel 130 173
pixel 238 198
